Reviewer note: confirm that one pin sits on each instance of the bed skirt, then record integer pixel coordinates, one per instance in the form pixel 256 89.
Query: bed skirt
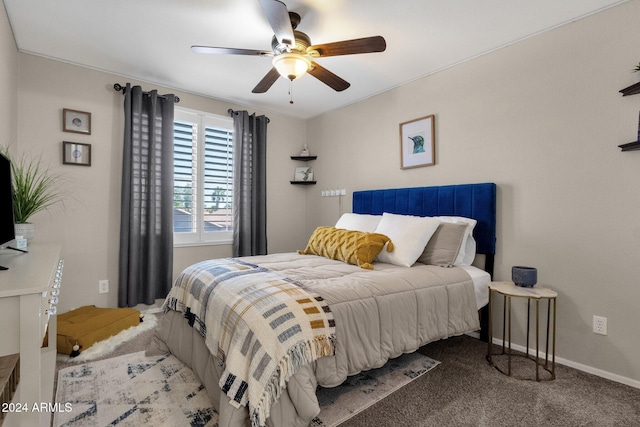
pixel 297 406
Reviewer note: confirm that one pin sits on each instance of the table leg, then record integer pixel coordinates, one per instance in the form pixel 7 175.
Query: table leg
pixel 553 357
pixel 546 351
pixel 528 324
pixel 490 331
pixel 504 322
pixel 537 338
pixel 508 302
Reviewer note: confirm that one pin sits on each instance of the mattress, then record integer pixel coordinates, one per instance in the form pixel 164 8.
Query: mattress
pixel 380 314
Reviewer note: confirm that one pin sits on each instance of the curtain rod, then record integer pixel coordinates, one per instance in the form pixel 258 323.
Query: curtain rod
pixel 231 113
pixel 119 88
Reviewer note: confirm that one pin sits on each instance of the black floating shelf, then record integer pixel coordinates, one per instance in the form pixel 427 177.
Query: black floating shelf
pixel 304 158
pixel 303 182
pixel 631 90
pixel 635 145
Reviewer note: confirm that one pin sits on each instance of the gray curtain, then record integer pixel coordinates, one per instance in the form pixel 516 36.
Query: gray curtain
pixel 146 221
pixel 249 184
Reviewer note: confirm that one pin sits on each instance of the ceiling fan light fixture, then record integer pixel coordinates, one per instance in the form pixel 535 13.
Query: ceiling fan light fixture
pixel 291 65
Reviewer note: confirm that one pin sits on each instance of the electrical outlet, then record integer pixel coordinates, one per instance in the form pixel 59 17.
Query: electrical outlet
pixel 599 325
pixel 103 286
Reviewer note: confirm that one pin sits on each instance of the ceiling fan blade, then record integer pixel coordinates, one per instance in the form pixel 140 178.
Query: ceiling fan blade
pixel 278 17
pixel 267 81
pixel 230 51
pixel 350 47
pixel 328 78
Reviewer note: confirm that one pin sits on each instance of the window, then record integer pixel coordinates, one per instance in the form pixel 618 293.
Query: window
pixel 203 178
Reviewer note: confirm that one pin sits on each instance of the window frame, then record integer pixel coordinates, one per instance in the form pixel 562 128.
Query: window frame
pixel 202 119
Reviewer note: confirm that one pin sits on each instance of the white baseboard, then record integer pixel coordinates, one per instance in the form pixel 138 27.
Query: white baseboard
pixel 579 366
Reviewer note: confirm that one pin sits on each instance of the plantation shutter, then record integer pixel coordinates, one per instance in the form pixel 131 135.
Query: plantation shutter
pixel 184 145
pixel 218 180
pixel 203 179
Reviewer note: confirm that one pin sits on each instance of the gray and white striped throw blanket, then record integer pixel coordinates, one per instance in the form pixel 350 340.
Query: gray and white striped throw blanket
pixel 261 325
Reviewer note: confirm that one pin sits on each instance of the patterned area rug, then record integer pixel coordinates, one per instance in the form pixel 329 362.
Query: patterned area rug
pixel 360 391
pixel 135 390
pixel 132 390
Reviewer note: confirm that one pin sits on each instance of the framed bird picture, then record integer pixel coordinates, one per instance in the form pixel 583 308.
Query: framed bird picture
pixel 418 143
pixel 303 174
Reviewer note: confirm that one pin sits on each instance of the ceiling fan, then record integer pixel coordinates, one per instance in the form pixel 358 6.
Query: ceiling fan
pixel 292 51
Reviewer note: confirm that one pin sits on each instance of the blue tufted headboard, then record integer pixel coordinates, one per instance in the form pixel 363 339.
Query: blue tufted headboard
pixel 477 201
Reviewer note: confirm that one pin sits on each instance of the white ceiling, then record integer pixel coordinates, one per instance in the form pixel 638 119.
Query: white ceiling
pixel 150 40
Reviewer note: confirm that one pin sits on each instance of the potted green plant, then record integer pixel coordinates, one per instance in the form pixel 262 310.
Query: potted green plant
pixel 35 188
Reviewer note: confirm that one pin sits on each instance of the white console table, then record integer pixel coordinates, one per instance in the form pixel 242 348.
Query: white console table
pixel 28 294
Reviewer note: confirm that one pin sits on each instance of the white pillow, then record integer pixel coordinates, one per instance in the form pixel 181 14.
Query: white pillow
pixel 409 235
pixel 359 222
pixel 468 247
pixel 469 252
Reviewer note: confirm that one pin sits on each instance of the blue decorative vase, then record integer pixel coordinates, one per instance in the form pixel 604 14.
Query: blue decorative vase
pixel 524 276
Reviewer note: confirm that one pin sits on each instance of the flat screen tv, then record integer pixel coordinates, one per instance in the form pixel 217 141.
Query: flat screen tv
pixel 7 227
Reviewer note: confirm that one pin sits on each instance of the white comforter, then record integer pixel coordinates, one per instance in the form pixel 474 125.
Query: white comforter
pixel 379 315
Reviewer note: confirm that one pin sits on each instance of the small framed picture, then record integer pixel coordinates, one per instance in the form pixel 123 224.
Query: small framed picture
pixel 417 143
pixel 75 153
pixel 303 173
pixel 76 121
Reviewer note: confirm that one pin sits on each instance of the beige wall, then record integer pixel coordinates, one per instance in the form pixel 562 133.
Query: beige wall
pixel 88 226
pixel 9 84
pixel 542 119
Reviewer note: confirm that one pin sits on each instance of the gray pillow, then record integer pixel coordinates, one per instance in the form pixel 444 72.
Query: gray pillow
pixel 443 247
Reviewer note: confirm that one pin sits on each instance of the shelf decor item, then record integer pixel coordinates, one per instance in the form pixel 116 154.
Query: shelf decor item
pixel 75 153
pixel 417 143
pixel 76 121
pixel 303 173
pixel 526 277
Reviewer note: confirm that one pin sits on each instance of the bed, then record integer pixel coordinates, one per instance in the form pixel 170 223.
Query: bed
pixel 377 312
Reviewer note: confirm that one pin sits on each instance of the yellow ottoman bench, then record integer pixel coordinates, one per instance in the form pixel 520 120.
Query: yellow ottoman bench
pixel 87 325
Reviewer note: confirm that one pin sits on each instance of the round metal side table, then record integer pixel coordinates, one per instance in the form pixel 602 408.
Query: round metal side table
pixel 509 290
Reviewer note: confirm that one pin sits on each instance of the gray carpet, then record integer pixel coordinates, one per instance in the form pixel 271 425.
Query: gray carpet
pixel 465 391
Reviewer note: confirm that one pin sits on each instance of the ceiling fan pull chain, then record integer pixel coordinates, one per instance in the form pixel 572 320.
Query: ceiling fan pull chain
pixel 291 91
